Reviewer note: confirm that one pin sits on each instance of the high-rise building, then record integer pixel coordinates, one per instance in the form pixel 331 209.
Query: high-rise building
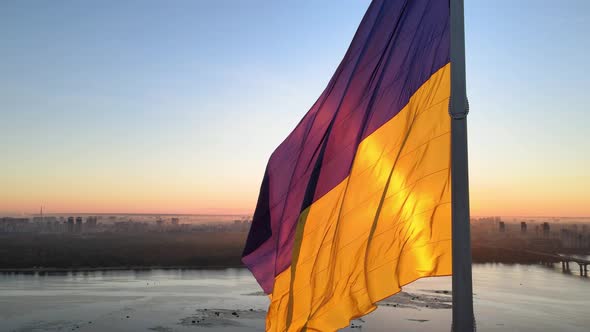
pixel 78 227
pixel 91 223
pixel 546 228
pixel 70 226
pixel 523 226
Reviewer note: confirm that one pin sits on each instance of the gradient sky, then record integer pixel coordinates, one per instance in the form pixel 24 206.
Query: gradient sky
pixel 175 106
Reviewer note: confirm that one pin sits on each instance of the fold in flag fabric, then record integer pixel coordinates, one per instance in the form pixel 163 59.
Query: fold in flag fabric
pixel 355 202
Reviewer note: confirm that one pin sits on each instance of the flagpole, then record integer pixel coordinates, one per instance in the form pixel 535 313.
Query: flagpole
pixel 463 317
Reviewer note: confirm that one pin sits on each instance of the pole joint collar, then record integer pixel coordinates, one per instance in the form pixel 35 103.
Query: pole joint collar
pixel 458 113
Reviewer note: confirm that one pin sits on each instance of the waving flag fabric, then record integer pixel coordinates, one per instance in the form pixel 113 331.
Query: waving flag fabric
pixel 355 203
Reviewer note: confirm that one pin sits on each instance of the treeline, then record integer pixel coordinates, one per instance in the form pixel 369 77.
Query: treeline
pixel 190 250
pixel 215 249
pixel 505 255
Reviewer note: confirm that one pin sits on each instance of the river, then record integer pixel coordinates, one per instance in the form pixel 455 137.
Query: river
pixel 507 298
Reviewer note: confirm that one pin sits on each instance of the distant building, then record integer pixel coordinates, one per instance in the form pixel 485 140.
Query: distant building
pixel 546 228
pixel 175 221
pixel 501 227
pixel 91 223
pixel 523 227
pixel 78 226
pixel 70 225
pixel 14 225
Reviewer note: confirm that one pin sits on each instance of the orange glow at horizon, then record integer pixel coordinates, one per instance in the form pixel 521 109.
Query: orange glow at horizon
pixel 128 196
pixel 483 203
pixel 526 198
pixel 532 195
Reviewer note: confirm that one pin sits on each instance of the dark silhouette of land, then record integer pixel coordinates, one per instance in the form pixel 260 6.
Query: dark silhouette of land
pixel 104 250
pixel 54 245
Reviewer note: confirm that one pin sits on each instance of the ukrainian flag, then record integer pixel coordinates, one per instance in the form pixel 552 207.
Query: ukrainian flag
pixel 355 203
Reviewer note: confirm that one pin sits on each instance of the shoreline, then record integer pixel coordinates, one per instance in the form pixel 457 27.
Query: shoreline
pixel 166 267
pixel 117 268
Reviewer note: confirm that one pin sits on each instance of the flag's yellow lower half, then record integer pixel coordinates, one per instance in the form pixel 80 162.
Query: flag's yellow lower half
pixel 387 224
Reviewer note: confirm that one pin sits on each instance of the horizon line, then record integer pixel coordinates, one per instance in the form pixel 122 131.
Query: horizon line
pixel 250 214
pixel 128 214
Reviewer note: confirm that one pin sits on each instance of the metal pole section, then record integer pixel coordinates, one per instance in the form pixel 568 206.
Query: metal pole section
pixel 463 317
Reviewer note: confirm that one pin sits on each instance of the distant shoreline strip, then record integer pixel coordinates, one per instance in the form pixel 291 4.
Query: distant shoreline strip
pixel 118 268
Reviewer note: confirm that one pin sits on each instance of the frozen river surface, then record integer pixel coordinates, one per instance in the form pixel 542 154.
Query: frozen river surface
pixel 507 298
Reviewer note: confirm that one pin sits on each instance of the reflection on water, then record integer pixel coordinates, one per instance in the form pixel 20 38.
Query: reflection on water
pixel 507 298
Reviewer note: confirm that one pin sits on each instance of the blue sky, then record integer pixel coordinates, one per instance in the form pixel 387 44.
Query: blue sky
pixel 153 106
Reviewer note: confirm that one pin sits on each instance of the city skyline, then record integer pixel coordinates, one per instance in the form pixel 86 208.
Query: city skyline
pixel 45 213
pixel 166 109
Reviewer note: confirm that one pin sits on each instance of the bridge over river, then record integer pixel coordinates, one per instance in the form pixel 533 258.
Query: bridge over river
pixel 564 259
pixel 522 255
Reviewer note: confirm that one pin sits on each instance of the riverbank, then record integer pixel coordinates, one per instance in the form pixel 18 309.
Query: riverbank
pixel 115 268
pixel 61 253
